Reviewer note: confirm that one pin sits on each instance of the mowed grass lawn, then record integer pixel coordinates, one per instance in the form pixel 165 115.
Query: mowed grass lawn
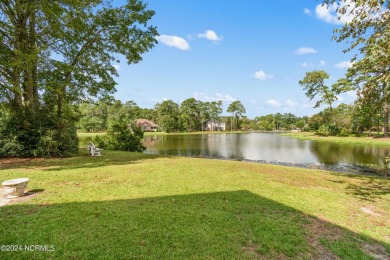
pixel 370 140
pixel 128 205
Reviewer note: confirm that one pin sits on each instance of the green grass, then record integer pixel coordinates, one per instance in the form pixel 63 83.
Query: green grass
pixel 355 140
pixel 129 205
pixel 80 134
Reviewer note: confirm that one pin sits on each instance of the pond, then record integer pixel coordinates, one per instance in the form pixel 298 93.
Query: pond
pixel 271 148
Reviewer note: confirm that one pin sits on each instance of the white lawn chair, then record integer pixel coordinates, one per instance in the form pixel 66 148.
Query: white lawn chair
pixel 94 150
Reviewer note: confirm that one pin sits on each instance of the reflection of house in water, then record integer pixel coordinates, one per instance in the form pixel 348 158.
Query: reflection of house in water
pixel 150 141
pixel 212 125
pixel 147 125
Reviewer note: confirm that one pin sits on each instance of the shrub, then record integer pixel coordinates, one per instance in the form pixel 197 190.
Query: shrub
pixel 21 136
pixel 10 147
pixel 122 137
pixel 326 130
pixel 323 130
pixel 345 132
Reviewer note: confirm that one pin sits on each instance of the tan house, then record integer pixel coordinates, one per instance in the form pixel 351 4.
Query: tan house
pixel 147 125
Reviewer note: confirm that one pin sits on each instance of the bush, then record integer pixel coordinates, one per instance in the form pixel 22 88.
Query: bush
pixel 345 132
pixel 328 130
pixel 122 137
pixel 323 130
pixel 10 147
pixel 21 136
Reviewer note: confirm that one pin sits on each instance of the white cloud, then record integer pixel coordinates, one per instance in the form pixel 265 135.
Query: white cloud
pixel 307 65
pixel 210 35
pixel 343 65
pixel 117 67
pixel 322 63
pixel 174 41
pixel 273 103
pixel 291 103
pixel 305 50
pixel 329 13
pixel 307 11
pixel 262 75
pixel 339 98
pixel 218 96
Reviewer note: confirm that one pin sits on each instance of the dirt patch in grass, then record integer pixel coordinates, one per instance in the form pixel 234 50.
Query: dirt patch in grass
pixel 12 162
pixel 376 251
pixel 317 230
pixel 250 250
pixel 370 211
pixel 27 196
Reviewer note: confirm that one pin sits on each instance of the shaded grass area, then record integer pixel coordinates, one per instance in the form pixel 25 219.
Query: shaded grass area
pixel 129 205
pixel 355 140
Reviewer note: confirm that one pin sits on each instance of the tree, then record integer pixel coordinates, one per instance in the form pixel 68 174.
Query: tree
pixel 54 54
pixel 190 114
pixel 167 115
pixel 314 84
pixel 300 124
pixel 367 109
pixel 369 32
pixel 237 110
pixel 215 111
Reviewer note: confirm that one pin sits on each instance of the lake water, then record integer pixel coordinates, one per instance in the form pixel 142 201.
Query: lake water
pixel 271 148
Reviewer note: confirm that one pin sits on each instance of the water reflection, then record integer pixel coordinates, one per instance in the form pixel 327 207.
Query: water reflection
pixel 266 147
pixel 334 153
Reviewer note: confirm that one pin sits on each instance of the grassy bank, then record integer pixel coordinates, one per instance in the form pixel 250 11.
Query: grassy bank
pixel 356 140
pixel 128 205
pixel 195 133
pixel 84 135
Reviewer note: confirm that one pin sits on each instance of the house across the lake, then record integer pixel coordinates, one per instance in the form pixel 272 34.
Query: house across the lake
pixel 212 125
pixel 147 125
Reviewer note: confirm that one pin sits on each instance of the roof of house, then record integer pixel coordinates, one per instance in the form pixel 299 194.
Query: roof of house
pixel 145 121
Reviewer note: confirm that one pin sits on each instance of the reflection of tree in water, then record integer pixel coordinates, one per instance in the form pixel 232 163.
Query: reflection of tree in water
pixel 235 148
pixel 181 145
pixel 335 153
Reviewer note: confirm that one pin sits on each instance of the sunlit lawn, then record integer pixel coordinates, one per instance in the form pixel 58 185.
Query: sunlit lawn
pixel 374 140
pixel 128 205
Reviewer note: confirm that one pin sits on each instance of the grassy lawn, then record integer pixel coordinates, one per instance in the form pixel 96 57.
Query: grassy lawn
pixel 355 140
pixel 129 205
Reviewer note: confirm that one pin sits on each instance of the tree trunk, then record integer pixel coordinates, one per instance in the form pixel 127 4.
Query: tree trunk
pixel 385 112
pixel 385 119
pixel 30 74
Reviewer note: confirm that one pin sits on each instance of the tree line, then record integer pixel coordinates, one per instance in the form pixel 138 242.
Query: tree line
pixel 189 116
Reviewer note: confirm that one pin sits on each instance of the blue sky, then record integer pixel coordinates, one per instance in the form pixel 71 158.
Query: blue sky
pixel 254 51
